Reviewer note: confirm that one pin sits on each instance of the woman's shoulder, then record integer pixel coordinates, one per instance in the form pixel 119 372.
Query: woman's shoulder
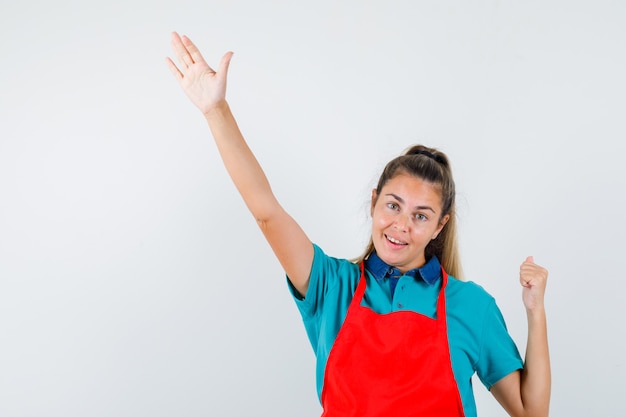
pixel 331 263
pixel 471 307
pixel 333 272
pixel 331 280
pixel 467 292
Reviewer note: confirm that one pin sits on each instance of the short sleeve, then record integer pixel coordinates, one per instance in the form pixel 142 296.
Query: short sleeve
pixel 498 355
pixel 331 285
pixel 320 280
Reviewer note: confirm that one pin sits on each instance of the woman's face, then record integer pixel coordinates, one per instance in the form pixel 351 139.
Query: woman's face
pixel 406 216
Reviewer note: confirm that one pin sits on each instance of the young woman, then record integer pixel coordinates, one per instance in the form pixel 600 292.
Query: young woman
pixel 394 334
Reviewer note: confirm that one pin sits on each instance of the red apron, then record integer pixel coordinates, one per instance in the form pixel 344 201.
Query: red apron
pixel 391 365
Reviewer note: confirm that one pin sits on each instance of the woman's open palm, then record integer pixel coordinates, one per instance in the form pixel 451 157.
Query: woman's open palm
pixel 204 86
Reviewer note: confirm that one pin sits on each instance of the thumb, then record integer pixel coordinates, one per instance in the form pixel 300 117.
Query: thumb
pixel 224 63
pixel 530 259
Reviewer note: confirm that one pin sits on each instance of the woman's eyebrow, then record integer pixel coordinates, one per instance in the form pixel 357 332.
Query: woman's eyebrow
pixel 400 200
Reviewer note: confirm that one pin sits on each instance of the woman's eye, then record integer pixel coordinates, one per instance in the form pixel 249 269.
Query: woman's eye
pixel 421 217
pixel 392 206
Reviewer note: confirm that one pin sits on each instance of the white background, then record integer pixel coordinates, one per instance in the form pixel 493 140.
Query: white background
pixel 133 282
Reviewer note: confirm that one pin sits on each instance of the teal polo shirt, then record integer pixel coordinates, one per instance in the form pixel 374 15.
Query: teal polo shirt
pixel 478 338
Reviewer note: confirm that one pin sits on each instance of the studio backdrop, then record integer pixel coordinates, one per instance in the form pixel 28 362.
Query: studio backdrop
pixel 133 280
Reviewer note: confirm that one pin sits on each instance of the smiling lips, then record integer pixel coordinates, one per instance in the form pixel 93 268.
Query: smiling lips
pixel 395 241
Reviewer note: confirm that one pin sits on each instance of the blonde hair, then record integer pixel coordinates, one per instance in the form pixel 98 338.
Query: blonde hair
pixel 432 166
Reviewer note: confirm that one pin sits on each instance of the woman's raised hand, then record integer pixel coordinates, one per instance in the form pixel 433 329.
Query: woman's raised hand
pixel 204 86
pixel 533 278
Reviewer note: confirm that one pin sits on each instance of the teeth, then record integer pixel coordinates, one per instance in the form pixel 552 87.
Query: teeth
pixel 392 240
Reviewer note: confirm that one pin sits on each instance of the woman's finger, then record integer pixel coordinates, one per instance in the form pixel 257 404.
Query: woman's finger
pixel 193 52
pixel 184 58
pixel 174 69
pixel 532 274
pixel 225 62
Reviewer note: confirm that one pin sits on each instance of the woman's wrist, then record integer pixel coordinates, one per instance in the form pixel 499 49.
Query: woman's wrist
pixel 216 109
pixel 536 315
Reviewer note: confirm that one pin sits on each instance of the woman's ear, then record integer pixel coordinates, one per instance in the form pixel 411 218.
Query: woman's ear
pixel 442 223
pixel 374 198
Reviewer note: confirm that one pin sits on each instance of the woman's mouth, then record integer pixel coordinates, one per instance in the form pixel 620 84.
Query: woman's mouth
pixel 395 241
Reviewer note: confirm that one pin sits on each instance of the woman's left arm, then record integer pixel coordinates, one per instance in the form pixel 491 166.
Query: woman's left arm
pixel 526 393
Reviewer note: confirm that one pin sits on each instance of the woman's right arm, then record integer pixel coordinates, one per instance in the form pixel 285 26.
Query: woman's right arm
pixel 206 88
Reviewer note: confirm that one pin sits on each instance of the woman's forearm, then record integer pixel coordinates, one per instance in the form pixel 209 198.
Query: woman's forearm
pixel 240 162
pixel 536 375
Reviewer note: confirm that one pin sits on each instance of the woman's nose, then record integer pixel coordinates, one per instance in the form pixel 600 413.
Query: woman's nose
pixel 402 222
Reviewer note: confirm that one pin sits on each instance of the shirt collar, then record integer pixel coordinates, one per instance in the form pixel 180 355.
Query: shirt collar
pixel 430 272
